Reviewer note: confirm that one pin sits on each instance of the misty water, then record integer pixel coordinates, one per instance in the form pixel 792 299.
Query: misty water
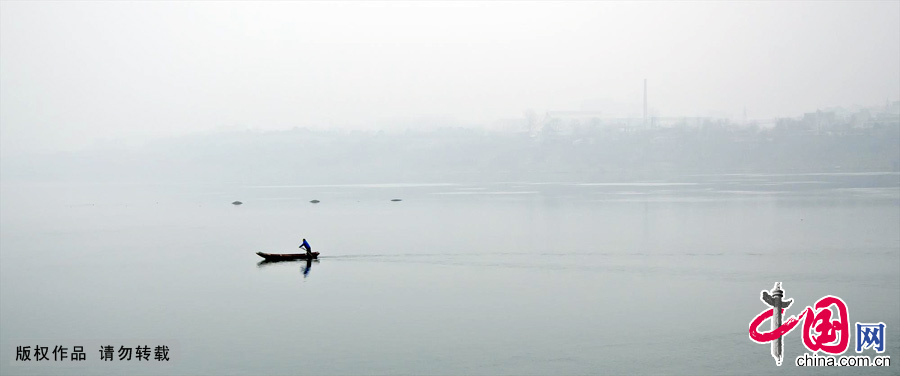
pixel 611 277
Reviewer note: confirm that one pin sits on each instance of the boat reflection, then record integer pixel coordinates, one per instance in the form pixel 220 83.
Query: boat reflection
pixel 307 264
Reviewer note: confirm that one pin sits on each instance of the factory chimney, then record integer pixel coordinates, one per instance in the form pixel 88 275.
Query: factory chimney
pixel 645 102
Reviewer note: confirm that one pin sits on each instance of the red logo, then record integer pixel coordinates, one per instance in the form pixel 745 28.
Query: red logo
pixel 826 327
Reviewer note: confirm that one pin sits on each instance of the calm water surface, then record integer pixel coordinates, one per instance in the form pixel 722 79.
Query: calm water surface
pixel 651 277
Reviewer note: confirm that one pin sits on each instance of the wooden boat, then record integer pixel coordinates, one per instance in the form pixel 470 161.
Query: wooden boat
pixel 286 256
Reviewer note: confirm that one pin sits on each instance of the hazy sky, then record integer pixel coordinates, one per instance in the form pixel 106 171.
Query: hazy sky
pixel 73 72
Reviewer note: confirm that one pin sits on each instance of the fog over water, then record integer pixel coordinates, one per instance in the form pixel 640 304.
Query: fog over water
pixel 491 186
pixel 74 74
pixel 458 278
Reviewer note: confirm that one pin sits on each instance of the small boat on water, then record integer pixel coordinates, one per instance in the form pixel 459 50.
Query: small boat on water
pixel 286 256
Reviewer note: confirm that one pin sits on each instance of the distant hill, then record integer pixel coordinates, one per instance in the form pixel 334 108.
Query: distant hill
pixel 464 154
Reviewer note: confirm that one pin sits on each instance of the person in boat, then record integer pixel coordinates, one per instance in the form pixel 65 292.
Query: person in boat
pixel 308 248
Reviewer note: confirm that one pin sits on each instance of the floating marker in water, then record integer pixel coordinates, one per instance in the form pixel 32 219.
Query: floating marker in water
pixel 237 203
pixel 315 201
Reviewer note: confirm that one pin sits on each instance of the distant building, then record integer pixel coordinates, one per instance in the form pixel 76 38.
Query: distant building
pixel 819 120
